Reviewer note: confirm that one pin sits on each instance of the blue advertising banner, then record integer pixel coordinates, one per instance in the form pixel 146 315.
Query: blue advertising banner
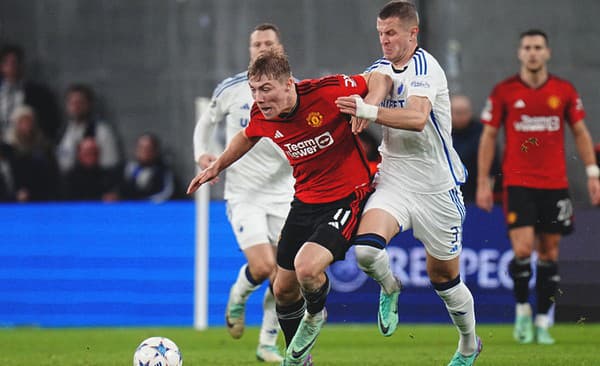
pixel 132 264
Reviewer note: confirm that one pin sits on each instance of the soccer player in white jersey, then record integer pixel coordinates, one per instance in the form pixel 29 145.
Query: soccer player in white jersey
pixel 258 191
pixel 419 176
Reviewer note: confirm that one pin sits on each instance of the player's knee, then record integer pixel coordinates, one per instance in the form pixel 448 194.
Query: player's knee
pixel 368 248
pixel 520 268
pixel 262 270
pixel 285 294
pixel 306 273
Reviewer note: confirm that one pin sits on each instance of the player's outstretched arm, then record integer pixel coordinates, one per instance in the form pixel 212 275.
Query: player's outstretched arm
pixel 412 118
pixel 237 147
pixel 585 148
pixel 487 147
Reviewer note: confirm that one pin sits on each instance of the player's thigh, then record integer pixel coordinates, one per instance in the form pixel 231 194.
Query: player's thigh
pixel 556 211
pixel 437 222
pixel 336 222
pixel 261 260
pixel 520 208
pixel 278 213
pixel 386 212
pixel 249 223
pixel 297 229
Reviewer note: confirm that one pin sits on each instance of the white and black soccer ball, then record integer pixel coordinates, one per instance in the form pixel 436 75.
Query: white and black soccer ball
pixel 157 351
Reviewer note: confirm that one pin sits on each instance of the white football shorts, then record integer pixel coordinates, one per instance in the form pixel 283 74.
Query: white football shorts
pixel 256 223
pixel 436 219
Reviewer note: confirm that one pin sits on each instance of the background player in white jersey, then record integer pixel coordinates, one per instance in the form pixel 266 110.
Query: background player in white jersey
pixel 419 177
pixel 258 191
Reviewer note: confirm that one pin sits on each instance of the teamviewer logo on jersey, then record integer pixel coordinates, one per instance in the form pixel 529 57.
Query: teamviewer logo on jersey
pixel 308 147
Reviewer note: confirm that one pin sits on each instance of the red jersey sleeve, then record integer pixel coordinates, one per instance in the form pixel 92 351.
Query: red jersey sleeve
pixel 575 111
pixel 348 85
pixel 493 112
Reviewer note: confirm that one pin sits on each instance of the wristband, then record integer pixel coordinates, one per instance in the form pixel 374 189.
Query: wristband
pixel 366 111
pixel 592 171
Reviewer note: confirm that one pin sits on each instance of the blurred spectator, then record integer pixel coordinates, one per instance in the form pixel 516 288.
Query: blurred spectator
pixel 466 131
pixel 82 123
pixel 147 177
pixel 87 180
pixel 15 91
pixel 371 146
pixel 34 165
pixel 597 148
pixel 7 185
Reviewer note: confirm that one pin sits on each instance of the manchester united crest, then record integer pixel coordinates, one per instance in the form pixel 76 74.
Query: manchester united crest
pixel 511 217
pixel 554 102
pixel 314 119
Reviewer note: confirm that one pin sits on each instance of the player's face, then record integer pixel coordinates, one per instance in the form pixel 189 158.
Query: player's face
pixel 272 96
pixel 397 40
pixel 262 40
pixel 534 53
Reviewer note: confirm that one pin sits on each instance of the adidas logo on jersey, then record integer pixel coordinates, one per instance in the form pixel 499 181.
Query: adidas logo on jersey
pixel 519 104
pixel 278 134
pixel 246 106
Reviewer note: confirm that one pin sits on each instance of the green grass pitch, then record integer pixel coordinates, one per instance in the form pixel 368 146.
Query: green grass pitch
pixel 577 344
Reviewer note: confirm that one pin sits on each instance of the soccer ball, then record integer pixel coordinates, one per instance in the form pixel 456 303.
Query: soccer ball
pixel 157 351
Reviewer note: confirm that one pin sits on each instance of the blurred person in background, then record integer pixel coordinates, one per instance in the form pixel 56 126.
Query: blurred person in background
pixel 17 90
pixel 258 191
pixel 534 107
pixel 147 177
pixel 87 180
pixel 7 180
pixel 466 131
pixel 35 170
pixel 79 106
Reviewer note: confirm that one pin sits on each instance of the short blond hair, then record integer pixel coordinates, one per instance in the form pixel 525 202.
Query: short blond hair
pixel 272 64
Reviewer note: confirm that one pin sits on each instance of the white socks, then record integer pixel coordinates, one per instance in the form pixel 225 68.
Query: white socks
pixel 242 288
pixel 376 263
pixel 459 303
pixel 270 324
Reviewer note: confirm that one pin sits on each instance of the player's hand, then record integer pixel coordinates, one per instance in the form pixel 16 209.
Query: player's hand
pixel 207 175
pixel 205 160
pixel 594 190
pixel 359 124
pixel 347 104
pixel 484 198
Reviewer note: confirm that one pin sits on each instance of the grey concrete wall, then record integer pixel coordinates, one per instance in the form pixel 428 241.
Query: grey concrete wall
pixel 149 59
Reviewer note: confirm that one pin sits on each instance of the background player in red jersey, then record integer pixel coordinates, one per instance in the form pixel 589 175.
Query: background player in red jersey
pixel 534 107
pixel 332 183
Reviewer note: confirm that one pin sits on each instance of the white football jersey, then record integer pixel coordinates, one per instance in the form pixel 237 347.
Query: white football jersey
pixel 425 161
pixel 263 173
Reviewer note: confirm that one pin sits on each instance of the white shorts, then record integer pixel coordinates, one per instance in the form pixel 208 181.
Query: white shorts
pixel 436 219
pixel 256 223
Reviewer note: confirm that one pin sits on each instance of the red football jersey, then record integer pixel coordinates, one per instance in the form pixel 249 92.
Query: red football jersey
pixel 534 123
pixel 327 158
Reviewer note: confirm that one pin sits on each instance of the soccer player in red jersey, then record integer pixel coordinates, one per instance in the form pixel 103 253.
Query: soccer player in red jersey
pixel 534 107
pixel 332 183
